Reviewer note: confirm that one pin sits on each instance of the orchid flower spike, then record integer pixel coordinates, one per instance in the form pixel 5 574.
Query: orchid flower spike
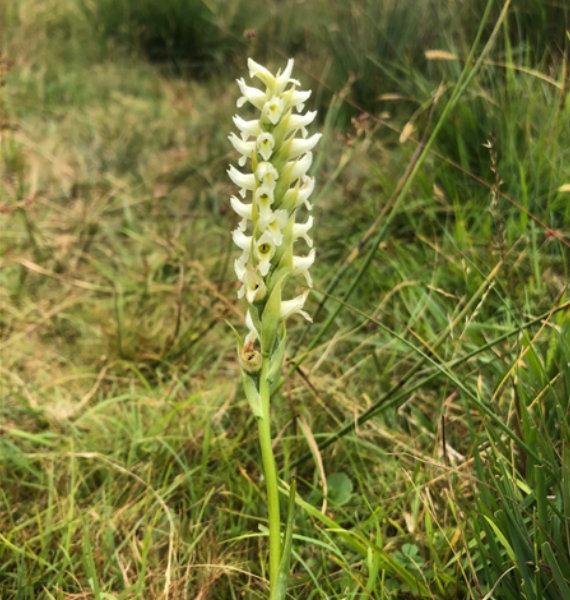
pixel 275 153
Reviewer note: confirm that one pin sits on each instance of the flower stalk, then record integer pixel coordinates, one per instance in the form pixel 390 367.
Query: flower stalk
pixel 275 154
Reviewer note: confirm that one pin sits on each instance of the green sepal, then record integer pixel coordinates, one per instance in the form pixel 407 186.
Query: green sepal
pixel 271 317
pixel 284 254
pixel 287 546
pixel 276 360
pixel 252 394
pixel 277 277
pixel 254 312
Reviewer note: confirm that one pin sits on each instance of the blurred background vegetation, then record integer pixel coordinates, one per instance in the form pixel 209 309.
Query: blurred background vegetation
pixel 442 206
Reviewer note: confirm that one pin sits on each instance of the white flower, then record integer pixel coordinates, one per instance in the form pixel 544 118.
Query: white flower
pixel 294 306
pixel 245 211
pixel 253 333
pixel 301 265
pixel 241 240
pixel 240 265
pixel 246 149
pixel 265 143
pixel 300 231
pixel 276 224
pixel 306 189
pixel 297 146
pixel 294 122
pixel 295 169
pixel 264 252
pixel 264 200
pixel 242 209
pixel 250 94
pixel 296 99
pixel 264 196
pixel 247 128
pixel 245 181
pixel 299 194
pixel 283 79
pixel 240 268
pixel 261 72
pixel 273 109
pixel 276 84
pixel 267 174
pixel 254 285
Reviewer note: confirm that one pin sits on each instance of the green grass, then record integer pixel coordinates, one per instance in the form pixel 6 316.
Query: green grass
pixel 436 382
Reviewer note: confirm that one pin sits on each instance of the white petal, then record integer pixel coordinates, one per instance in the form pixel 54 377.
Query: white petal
pixel 296 98
pixel 276 225
pixel 241 240
pixel 306 189
pixel 242 209
pixel 296 121
pixel 302 165
pixel 273 109
pixel 299 193
pixel 246 149
pixel 264 199
pixel 265 144
pixel 264 195
pixel 297 169
pixel 251 95
pixel 261 72
pixel 297 146
pixel 301 266
pixel 284 78
pixel 300 230
pixel 295 306
pixel 255 288
pixel 245 181
pixel 264 252
pixel 253 333
pixel 267 174
pixel 240 265
pixel 247 128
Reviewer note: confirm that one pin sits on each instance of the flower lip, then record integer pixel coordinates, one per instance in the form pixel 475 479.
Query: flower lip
pixel 273 109
pixel 264 251
pixel 255 288
pixel 267 173
pixel 241 240
pixel 265 143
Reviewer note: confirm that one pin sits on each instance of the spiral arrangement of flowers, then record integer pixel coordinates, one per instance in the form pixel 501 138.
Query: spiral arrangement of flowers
pixel 272 190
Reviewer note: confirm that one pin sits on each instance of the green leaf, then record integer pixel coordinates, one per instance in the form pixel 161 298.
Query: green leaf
pixel 271 318
pixel 561 581
pixel 252 394
pixel 339 488
pixel 502 539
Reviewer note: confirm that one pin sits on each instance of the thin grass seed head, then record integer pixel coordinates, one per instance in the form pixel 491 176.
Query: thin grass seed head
pixel 275 155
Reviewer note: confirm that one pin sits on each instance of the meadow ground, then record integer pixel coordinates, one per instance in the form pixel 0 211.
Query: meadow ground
pixel 428 402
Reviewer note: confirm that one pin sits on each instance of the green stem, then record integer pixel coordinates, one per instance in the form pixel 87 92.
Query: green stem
pixel 270 472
